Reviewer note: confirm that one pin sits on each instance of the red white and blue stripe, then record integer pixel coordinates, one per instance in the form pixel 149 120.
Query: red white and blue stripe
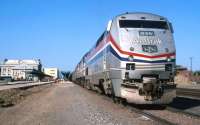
pixel 111 46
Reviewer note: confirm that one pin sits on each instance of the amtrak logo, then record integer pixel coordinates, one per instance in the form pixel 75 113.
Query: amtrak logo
pixel 147 41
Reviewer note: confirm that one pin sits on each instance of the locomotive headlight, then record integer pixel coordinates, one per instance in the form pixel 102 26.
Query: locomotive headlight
pixel 130 66
pixel 131 49
pixel 168 59
pixel 130 58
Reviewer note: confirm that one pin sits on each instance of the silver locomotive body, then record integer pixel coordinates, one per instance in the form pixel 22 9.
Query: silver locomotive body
pixel 134 59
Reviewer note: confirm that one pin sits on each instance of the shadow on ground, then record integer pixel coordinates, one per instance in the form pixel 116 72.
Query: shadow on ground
pixel 183 103
pixel 180 103
pixel 148 106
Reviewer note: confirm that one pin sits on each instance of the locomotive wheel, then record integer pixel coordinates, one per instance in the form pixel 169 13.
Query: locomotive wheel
pixel 92 86
pixel 114 98
pixel 123 102
pixel 106 89
pixel 102 88
pixel 88 85
pixel 84 85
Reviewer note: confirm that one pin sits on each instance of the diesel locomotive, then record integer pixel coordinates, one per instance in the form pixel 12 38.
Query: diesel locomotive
pixel 134 59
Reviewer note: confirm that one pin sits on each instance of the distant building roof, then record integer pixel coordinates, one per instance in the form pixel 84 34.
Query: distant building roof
pixel 17 62
pixel 49 68
pixel 31 61
pixel 11 62
pixel 180 68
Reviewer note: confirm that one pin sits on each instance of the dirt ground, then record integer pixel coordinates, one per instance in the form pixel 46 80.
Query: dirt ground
pixel 11 97
pixel 69 104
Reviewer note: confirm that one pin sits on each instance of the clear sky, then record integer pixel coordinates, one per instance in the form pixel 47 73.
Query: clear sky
pixel 59 32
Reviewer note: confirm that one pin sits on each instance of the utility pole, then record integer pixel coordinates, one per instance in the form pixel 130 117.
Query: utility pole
pixel 191 59
pixel 191 63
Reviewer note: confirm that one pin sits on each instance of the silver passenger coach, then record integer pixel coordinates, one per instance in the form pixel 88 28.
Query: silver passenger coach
pixel 133 60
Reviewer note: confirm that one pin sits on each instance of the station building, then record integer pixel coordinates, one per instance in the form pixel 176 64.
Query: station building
pixel 54 72
pixel 19 69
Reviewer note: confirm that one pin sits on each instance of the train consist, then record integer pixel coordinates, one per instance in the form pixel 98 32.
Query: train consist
pixel 134 59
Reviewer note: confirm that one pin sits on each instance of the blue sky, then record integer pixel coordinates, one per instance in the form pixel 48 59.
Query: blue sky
pixel 59 32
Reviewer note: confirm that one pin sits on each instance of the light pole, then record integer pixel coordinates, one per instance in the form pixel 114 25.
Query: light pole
pixel 191 63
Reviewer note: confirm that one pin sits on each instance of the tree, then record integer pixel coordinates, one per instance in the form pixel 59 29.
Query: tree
pixel 197 73
pixel 70 77
pixel 66 75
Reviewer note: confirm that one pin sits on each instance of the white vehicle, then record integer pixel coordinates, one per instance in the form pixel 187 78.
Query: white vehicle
pixel 134 59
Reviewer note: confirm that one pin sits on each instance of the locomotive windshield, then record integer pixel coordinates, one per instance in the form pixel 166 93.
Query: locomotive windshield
pixel 143 24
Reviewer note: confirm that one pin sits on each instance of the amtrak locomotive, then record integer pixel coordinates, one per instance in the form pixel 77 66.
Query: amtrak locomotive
pixel 134 60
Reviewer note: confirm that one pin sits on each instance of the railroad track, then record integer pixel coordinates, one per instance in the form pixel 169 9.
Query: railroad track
pixel 182 112
pixel 151 116
pixel 141 109
pixel 188 92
